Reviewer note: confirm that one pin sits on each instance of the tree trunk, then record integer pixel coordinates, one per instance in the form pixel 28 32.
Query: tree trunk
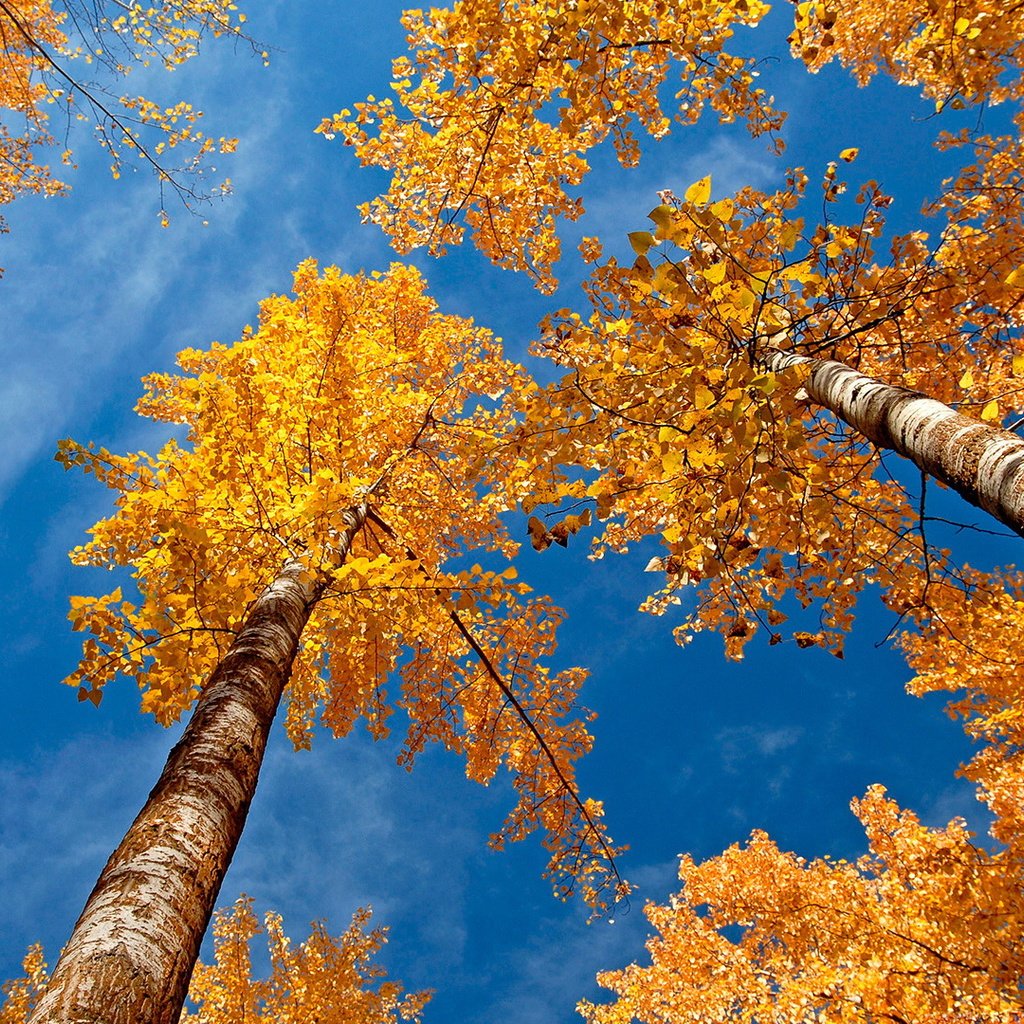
pixel 984 464
pixel 130 957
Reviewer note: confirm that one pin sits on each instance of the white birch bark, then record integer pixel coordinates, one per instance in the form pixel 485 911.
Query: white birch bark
pixel 130 957
pixel 984 464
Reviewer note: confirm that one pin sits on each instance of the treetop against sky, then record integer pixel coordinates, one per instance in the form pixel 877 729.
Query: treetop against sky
pixel 763 516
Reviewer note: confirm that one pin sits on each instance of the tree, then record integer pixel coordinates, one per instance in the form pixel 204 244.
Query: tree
pixel 690 401
pixel 326 979
pixel 924 927
pixel 479 141
pixel 41 49
pixel 296 542
pixel 731 393
pixel 323 978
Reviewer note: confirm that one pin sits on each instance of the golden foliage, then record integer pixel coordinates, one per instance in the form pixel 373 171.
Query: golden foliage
pixel 968 643
pixel 500 102
pixel 48 59
pixel 955 52
pixel 23 95
pixel 333 980
pixel 925 927
pixel 324 979
pixel 667 424
pixel 22 994
pixel 757 496
pixel 354 390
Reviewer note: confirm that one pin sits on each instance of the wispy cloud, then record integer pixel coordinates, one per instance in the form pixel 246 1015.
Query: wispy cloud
pixel 64 812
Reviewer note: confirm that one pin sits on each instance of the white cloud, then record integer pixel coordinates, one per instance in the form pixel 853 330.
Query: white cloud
pixel 741 744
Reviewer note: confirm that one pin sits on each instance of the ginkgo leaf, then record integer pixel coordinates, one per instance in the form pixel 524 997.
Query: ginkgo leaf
pixel 699 192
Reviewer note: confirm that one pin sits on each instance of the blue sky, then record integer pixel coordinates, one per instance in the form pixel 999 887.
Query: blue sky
pixel 691 754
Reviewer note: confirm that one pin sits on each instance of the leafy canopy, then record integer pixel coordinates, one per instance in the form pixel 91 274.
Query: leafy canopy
pixel 65 59
pixel 502 102
pixel 667 423
pixel 355 390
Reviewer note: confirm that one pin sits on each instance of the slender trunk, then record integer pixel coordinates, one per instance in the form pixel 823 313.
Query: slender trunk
pixel 130 957
pixel 984 464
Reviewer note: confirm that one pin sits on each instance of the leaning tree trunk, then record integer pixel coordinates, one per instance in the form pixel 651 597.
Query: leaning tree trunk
pixel 984 464
pixel 130 957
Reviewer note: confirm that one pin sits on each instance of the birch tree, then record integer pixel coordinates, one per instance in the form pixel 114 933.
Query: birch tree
pixel 698 375
pixel 296 542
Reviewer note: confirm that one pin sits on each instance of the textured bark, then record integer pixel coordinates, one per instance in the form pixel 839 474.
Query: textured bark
pixel 984 464
pixel 130 957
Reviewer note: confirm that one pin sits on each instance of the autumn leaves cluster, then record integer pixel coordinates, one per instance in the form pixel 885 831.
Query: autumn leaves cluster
pixel 672 418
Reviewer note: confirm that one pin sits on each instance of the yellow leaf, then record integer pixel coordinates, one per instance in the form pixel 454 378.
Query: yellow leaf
pixel 849 155
pixel 703 397
pixel 715 273
pixel 723 209
pixel 662 217
pixel 1015 279
pixel 991 411
pixel 745 299
pixel 967 380
pixel 699 192
pixel 665 277
pixel 1018 365
pixel 641 241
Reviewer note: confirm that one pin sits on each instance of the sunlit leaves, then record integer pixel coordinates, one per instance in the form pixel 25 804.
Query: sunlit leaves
pixel 22 994
pixel 955 52
pixel 499 104
pixel 968 644
pixel 50 57
pixel 331 980
pixel 328 979
pixel 24 125
pixel 354 390
pixel 924 927
pixel 699 192
pixel 680 433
